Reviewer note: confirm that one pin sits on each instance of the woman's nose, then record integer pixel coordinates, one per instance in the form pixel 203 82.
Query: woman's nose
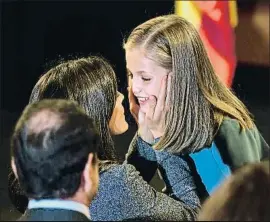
pixel 120 96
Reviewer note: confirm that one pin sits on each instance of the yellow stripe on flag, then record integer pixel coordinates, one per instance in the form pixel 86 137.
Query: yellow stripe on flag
pixel 233 13
pixel 189 11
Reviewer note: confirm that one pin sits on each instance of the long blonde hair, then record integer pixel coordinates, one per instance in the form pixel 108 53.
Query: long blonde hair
pixel 199 99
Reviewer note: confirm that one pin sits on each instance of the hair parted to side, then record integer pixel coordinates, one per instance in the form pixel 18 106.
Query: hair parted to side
pixel 91 82
pixel 50 147
pixel 199 100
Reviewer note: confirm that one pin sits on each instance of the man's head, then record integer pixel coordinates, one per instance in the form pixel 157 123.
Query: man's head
pixel 53 149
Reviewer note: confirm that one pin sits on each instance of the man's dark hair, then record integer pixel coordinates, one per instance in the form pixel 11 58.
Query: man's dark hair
pixel 50 146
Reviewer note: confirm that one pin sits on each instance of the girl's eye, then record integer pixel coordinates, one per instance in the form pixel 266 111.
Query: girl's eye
pixel 146 79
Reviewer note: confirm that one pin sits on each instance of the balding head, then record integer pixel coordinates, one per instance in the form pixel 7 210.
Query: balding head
pixel 50 147
pixel 44 120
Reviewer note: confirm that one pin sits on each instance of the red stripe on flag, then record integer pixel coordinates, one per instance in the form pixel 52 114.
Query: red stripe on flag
pixel 219 34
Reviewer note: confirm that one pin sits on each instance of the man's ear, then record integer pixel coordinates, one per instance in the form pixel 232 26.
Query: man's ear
pixel 88 170
pixel 13 166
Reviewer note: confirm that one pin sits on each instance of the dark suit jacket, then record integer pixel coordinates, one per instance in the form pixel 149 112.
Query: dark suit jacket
pixel 46 214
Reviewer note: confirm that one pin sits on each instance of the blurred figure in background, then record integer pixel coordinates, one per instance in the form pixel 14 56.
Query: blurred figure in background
pixel 245 196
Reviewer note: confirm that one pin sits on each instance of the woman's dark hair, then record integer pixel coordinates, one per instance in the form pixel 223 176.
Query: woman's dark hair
pixel 91 82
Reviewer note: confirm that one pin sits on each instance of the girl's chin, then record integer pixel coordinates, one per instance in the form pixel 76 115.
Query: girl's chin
pixel 143 108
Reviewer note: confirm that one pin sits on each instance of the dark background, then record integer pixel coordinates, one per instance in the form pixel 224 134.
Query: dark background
pixel 34 33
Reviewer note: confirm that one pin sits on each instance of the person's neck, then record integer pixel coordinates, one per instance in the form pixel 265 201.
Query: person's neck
pixel 74 203
pixel 79 198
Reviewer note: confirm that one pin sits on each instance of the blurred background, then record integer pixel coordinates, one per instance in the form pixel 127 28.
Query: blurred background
pixel 36 33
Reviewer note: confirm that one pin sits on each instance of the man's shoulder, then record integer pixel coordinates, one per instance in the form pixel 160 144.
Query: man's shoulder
pixel 52 214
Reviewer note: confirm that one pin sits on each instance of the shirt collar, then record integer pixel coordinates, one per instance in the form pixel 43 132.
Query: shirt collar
pixel 60 204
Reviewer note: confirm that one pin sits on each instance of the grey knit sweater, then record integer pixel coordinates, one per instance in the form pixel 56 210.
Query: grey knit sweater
pixel 124 193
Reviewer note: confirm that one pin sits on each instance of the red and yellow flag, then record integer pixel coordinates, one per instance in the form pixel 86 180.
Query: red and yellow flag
pixel 215 21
